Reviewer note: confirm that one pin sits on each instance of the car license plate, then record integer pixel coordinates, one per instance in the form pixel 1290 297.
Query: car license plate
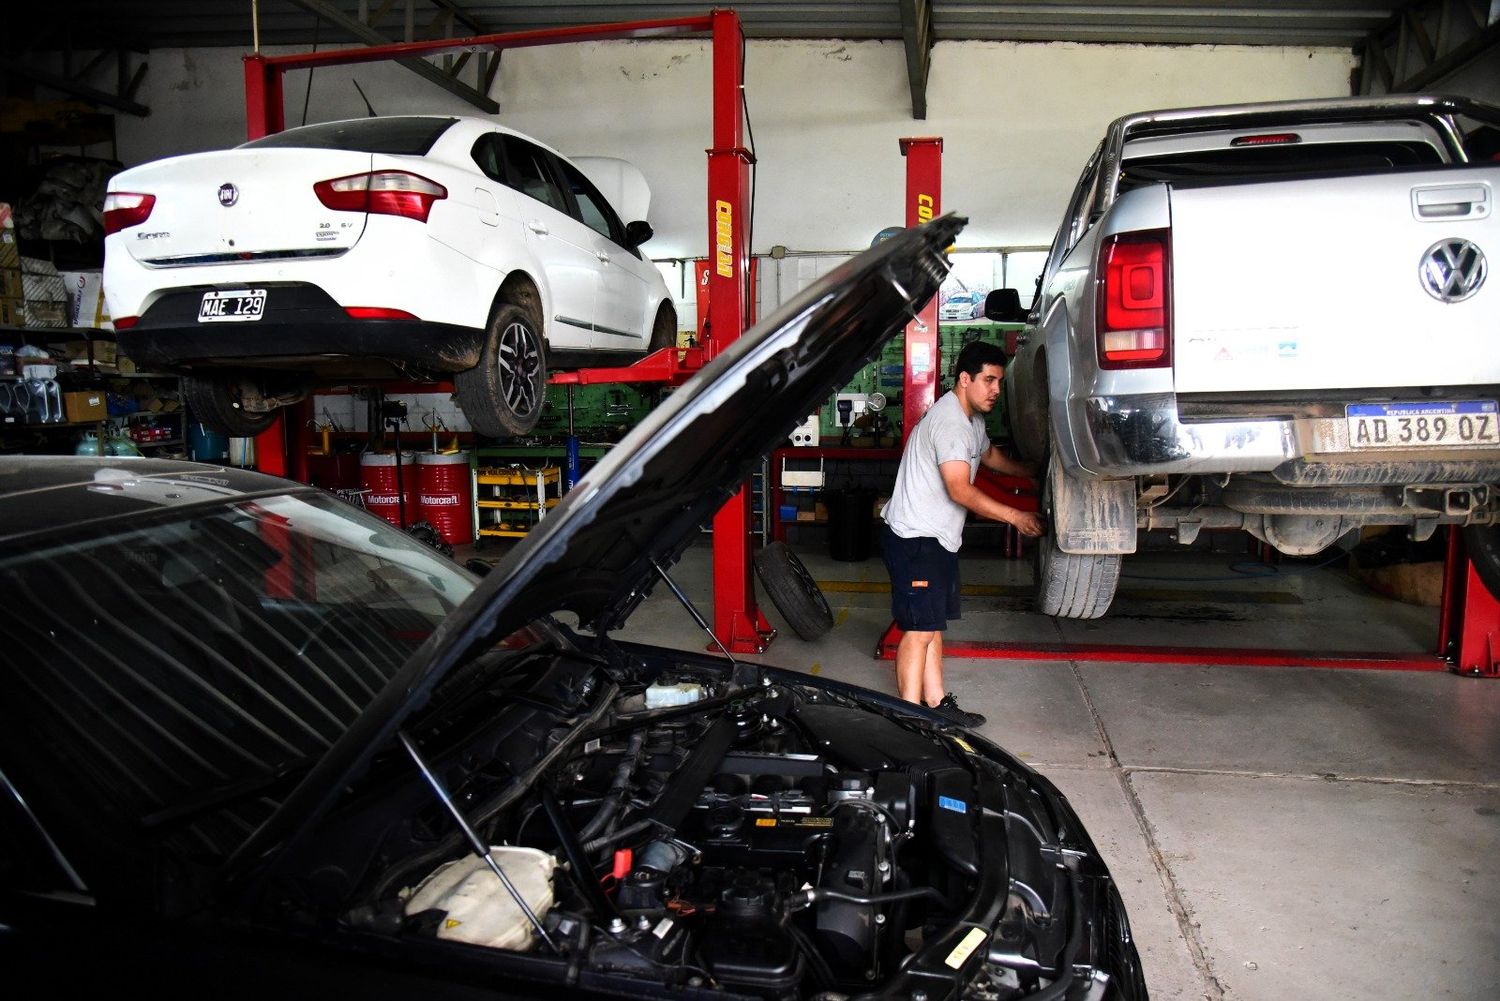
pixel 236 306
pixel 1423 425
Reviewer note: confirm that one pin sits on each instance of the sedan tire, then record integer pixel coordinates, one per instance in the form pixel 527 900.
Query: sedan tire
pixel 217 404
pixel 502 396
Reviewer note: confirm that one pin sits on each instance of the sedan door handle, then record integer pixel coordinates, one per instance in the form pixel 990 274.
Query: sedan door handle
pixel 603 257
pixel 538 227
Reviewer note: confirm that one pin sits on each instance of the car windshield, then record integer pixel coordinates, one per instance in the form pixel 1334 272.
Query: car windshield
pixel 185 667
pixel 393 136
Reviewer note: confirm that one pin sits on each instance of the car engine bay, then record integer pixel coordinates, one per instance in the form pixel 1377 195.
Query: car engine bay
pixel 771 839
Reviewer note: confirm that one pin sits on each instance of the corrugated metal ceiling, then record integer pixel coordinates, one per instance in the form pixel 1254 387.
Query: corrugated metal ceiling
pixel 163 23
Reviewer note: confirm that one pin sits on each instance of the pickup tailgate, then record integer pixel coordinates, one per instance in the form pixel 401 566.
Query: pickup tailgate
pixel 1325 284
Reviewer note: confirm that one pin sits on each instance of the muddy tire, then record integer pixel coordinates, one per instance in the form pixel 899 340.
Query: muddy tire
pixel 1483 544
pixel 1070 585
pixel 216 403
pixel 502 396
pixel 793 591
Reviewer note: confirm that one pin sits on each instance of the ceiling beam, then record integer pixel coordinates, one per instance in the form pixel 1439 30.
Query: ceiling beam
pixel 92 95
pixel 916 31
pixel 419 66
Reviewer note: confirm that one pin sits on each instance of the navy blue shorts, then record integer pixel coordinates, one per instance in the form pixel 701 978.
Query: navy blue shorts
pixel 924 582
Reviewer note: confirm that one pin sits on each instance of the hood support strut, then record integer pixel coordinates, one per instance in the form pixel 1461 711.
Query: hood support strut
pixel 472 836
pixel 742 675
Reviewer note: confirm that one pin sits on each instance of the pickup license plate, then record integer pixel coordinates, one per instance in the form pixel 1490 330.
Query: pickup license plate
pixel 1423 425
pixel 236 306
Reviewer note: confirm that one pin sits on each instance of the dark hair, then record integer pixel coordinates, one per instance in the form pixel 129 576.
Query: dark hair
pixel 975 356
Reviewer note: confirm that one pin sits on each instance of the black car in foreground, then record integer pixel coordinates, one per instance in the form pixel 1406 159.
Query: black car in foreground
pixel 255 742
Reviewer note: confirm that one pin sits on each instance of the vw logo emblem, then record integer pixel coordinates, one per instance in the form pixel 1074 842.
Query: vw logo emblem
pixel 228 195
pixel 1452 270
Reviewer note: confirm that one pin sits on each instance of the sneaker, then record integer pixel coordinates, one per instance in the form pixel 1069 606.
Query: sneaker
pixel 948 708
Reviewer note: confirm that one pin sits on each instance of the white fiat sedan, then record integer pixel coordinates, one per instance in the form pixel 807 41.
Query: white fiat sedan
pixel 414 247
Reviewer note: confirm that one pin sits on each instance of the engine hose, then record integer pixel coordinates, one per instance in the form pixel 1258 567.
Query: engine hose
pixel 578 860
pixel 639 827
pixel 618 789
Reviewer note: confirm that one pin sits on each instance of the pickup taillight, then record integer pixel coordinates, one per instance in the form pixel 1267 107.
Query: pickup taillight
pixel 1133 322
pixel 382 192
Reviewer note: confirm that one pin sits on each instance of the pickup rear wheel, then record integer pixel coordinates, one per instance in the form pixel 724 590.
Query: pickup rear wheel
pixel 502 395
pixel 1483 543
pixel 1070 585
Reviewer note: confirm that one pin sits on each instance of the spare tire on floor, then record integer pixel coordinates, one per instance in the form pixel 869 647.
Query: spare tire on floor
pixel 793 591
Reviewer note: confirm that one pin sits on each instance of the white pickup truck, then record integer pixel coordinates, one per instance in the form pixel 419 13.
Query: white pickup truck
pixel 1271 317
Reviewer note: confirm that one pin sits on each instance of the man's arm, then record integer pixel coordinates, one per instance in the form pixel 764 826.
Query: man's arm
pixel 1001 463
pixel 956 480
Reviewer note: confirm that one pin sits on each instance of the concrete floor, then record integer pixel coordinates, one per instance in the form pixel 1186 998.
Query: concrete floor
pixel 1276 833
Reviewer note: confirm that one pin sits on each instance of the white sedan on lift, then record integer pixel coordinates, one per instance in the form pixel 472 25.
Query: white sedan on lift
pixel 426 247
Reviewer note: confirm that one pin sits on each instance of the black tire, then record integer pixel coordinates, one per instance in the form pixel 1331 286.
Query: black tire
pixel 1070 585
pixel 664 333
pixel 502 396
pixel 215 403
pixel 793 591
pixel 1483 544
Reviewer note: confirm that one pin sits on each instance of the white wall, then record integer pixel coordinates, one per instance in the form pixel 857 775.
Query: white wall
pixel 1017 120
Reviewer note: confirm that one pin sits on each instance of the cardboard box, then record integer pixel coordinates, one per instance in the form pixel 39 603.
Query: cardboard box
pixel 12 312
pixel 10 283
pixel 104 352
pixel 85 291
pixel 10 252
pixel 86 406
pixel 46 296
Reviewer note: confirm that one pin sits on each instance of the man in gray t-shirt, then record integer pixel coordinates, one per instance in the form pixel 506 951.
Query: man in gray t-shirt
pixel 933 495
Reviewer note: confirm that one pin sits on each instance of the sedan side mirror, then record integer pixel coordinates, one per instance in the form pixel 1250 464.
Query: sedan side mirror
pixel 1004 304
pixel 637 233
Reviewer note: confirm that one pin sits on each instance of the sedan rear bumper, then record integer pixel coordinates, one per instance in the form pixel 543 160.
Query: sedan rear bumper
pixel 302 328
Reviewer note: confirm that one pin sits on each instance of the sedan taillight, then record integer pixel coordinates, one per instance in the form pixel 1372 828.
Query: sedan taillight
pixel 384 192
pixel 1133 323
pixel 123 209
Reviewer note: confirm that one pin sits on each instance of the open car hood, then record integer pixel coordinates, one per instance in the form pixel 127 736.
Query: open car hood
pixel 641 505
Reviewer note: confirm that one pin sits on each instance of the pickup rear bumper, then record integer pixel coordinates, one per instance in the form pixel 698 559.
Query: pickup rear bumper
pixel 1144 435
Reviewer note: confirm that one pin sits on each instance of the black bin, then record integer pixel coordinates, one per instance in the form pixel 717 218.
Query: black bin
pixel 851 524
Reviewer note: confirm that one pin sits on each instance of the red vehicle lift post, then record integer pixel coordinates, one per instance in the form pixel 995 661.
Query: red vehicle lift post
pixel 738 622
pixel 924 202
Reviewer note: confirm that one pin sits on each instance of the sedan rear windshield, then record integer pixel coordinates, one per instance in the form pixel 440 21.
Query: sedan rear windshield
pixel 412 136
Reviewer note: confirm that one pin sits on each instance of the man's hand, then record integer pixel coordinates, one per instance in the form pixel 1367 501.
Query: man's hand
pixel 1027 523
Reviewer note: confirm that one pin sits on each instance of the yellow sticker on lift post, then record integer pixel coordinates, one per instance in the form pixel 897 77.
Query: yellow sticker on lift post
pixel 965 948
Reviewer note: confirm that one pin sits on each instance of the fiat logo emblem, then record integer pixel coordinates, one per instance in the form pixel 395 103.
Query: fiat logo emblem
pixel 228 195
pixel 1452 270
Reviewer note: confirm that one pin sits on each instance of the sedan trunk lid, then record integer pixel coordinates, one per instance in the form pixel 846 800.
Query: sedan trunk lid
pixel 241 205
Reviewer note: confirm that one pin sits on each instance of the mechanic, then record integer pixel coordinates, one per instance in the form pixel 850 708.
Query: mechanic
pixel 933 495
